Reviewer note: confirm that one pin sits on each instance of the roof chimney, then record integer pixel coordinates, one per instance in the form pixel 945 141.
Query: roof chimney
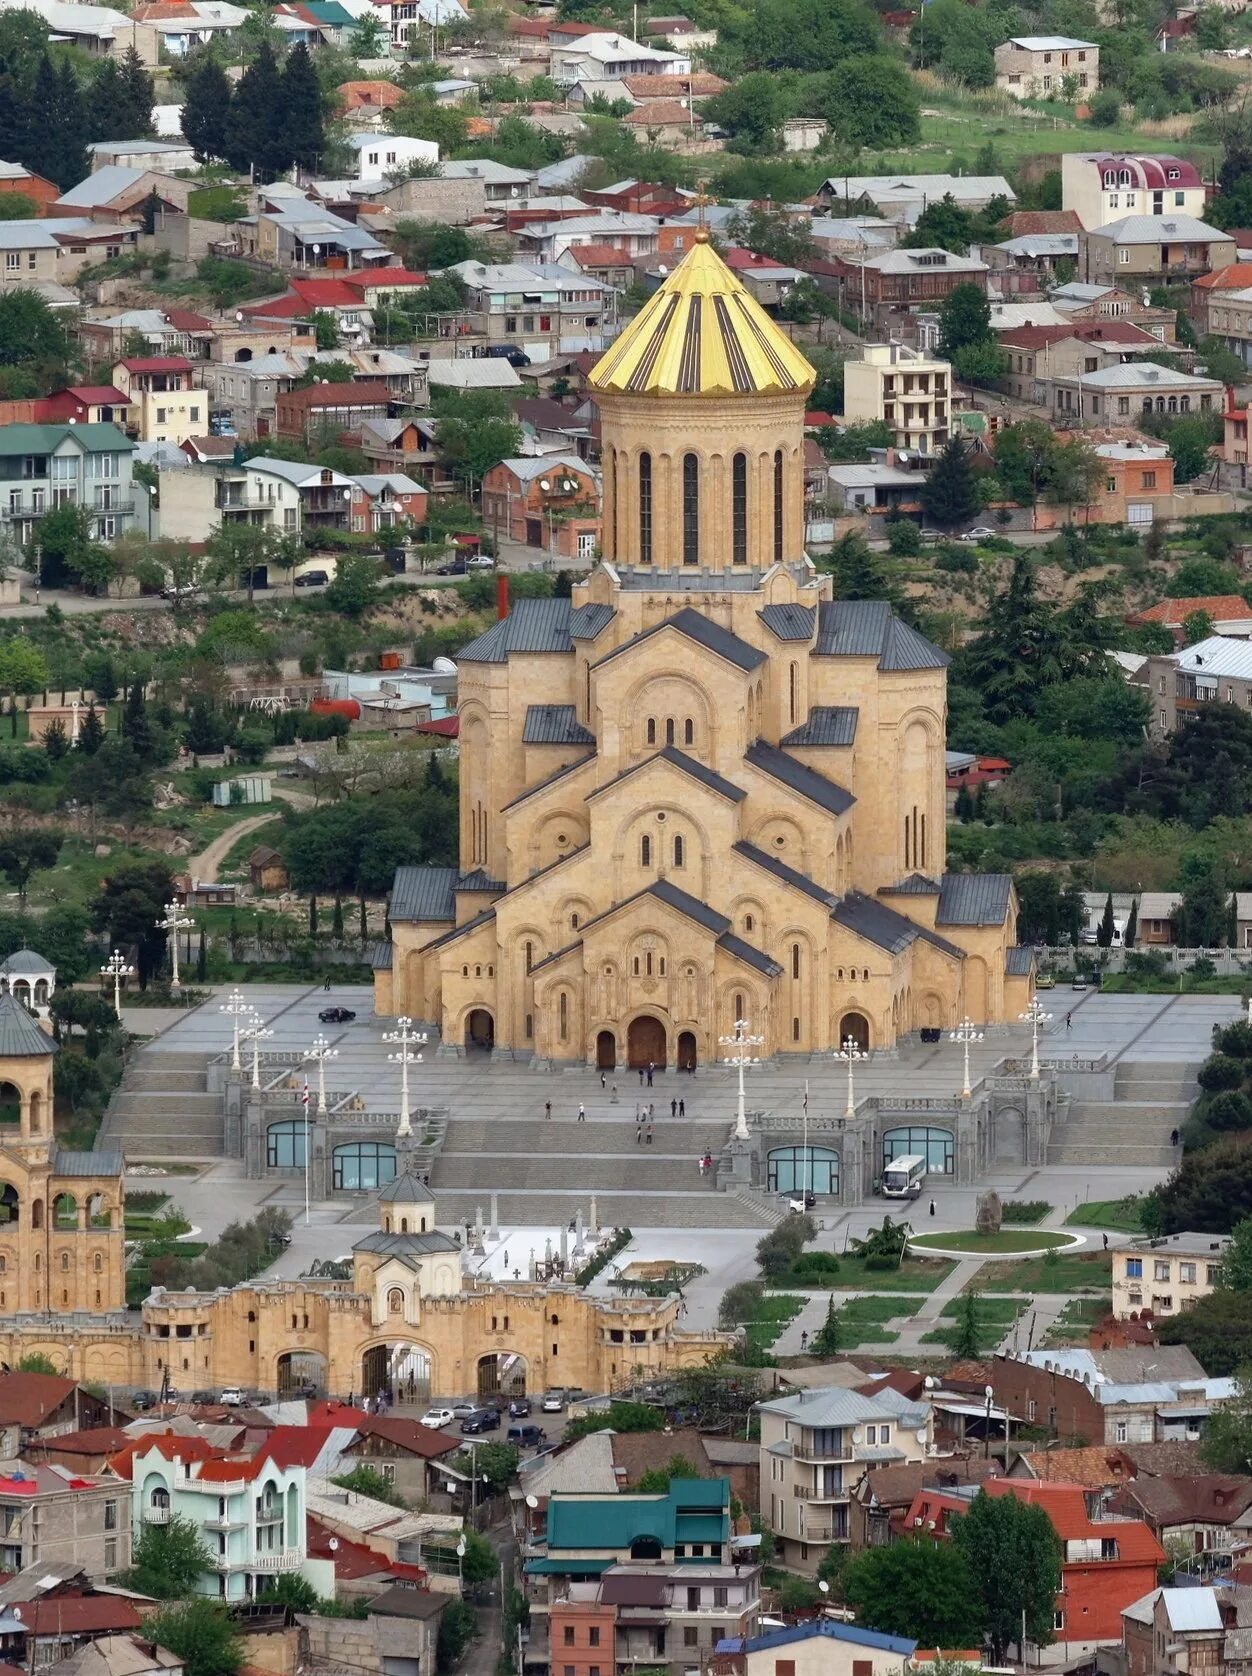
pixel 502 596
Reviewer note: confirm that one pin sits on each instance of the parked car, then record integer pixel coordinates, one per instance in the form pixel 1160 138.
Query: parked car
pixel 519 1408
pixel 980 532
pixel 142 1400
pixel 1079 981
pixel 438 1418
pixel 336 1015
pixel 454 567
pixel 308 1388
pixel 481 1420
pixel 1045 980
pixel 526 1437
pixel 480 561
pixel 204 1397
pixel 312 579
pixel 553 1402
pixel 233 1397
pixel 463 1410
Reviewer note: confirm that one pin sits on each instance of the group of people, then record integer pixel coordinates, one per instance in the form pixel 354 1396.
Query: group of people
pixel 677 1108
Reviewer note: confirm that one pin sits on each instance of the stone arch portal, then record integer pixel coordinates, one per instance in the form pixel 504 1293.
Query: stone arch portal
pixel 855 1025
pixel 606 1051
pixel 300 1371
pixel 480 1031
pixel 502 1374
pixel 402 1370
pixel 645 1042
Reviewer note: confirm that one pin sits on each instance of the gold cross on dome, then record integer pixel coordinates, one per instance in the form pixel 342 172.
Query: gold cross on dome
pixel 703 199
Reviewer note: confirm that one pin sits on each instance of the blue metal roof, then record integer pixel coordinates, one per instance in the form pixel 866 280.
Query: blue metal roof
pixel 826 1628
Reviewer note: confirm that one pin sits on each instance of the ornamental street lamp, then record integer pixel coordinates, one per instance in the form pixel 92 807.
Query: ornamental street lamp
pixel 741 1043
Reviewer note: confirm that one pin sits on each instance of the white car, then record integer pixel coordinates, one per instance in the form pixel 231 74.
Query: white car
pixel 980 532
pixel 233 1397
pixel 553 1403
pixel 438 1418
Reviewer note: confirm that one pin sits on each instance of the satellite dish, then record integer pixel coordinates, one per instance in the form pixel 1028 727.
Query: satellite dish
pixel 460 1549
pixel 921 1435
pixel 823 1585
pixel 333 1544
pixel 17 1612
pixel 544 484
pixel 443 666
pixel 532 1501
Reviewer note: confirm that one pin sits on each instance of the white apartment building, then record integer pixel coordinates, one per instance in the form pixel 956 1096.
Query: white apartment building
pixel 1103 186
pixel 908 391
pixel 1165 1275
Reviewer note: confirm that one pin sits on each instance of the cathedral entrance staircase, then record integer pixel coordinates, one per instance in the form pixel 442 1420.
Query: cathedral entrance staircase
pixel 163 1109
pixel 1150 1100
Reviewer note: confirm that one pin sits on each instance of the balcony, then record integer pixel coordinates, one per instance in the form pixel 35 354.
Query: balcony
pixel 156 1513
pixel 277 1559
pixel 225 1523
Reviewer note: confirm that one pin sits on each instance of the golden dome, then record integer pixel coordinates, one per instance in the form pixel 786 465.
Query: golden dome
pixel 702 334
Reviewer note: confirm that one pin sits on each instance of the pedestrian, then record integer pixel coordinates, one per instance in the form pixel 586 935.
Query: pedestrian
pixel 804 1340
pixel 326 986
pixel 506 1262
pixel 547 1109
pixel 582 1113
pixel 651 1111
pixel 651 1068
pixel 350 1401
pixel 700 1163
pixel 1069 1023
pixel 638 1130
pixel 673 1107
pixel 613 1095
pixel 708 1162
pixel 682 1108
pixel 603 1080
pixel 641 1076
pixel 1106 1242
pixel 649 1131
pixel 932 1207
pixel 1174 1137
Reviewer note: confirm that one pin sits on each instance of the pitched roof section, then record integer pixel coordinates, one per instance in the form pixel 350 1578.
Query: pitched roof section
pixel 554 724
pixel 588 621
pixel 1019 962
pixel 917 884
pixel 751 957
pixel 688 765
pixel 861 628
pixel 20 1036
pixel 789 622
pixel 974 899
pixel 884 926
pixel 787 875
pixel 699 629
pixel 423 893
pixel 532 625
pixel 806 781
pixel 827 724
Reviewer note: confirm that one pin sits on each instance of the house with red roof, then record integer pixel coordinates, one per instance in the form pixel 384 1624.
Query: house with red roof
pixel 89 404
pixel 1230 614
pixel 1039 354
pixel 43 1405
pixel 1104 186
pixel 167 400
pixel 1106 1564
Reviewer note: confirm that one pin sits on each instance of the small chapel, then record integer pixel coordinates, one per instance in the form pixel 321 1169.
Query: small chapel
pixel 702 789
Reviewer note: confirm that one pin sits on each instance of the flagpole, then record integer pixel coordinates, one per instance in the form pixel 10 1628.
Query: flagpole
pixel 306 1148
pixel 808 1162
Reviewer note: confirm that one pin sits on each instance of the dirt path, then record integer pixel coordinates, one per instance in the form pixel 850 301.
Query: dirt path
pixel 204 866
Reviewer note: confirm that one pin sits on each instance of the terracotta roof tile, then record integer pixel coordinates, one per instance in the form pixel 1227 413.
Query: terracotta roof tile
pixel 1177 610
pixel 27 1399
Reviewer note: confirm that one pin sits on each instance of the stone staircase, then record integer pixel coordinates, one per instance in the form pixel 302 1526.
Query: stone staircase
pixel 1149 1101
pixel 544 1172
pixel 162 1109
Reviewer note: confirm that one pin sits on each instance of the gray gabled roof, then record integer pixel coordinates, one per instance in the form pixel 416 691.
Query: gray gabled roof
pixel 1019 962
pixel 379 956
pixel 860 628
pixel 827 724
pixel 917 884
pixel 688 765
pixel 550 779
pixel 20 1036
pixel 751 957
pixel 789 622
pixel 787 875
pixel 479 879
pixel 704 633
pixel 884 926
pixel 532 625
pixel 406 1245
pixel 106 1162
pixel 587 621
pixel 461 930
pixel 806 781
pixel 406 1189
pixel 974 899
pixel 694 909
pixel 554 724
pixel 423 893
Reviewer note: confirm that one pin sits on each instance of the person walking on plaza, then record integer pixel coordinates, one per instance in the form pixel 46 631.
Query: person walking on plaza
pixel 547 1109
pixel 603 1080
pixel 708 1162
pixel 651 1068
pixel 641 1076
pixel 1069 1023
pixel 649 1131
pixel 638 1127
pixel 932 1207
pixel 682 1108
pixel 673 1107
pixel 582 1114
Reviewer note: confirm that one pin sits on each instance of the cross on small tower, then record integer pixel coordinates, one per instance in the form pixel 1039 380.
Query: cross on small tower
pixel 703 199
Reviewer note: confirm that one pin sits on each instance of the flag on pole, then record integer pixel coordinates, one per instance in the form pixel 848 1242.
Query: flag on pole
pixel 806 1096
pixel 304 1098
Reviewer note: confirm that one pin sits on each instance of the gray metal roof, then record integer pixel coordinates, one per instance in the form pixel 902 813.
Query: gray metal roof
pixel 827 724
pixel 788 875
pixel 875 922
pixel 541 785
pixel 106 1162
pixel 480 879
pixel 379 956
pixel 462 930
pixel 704 633
pixel 532 625
pixel 554 724
pixel 406 1245
pixel 423 893
pixel 688 765
pixel 587 621
pixel 860 628
pixel 750 956
pixel 974 899
pixel 25 962
pixel 806 781
pixel 917 884
pixel 694 909
pixel 406 1189
pixel 831 1405
pixel 20 1036
pixel 1019 962
pixel 789 622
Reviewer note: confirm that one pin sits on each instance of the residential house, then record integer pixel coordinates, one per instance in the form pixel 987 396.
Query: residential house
pixel 667 122
pixel 1209 289
pixel 1173 1630
pixel 364 104
pixel 121 1655
pixel 14 179
pixel 249 1510
pixel 163 392
pixel 1047 67
pixel 816 1647
pixel 88 404
pixel 603 262
pixel 50 1515
pixel 402 1451
pixel 1214 670
pixel 1227 313
pixel 336 297
pixel 38 1406
pixel 500 183
pixel 329 411
pixel 178 27
pixel 415 20
pixel 1153 247
pixel 1152 1394
pixel 1230 615
pixel 306 235
pixel 1107 1563
pixel 1102 187
pixel 292 496
pixel 605 56
pixel 1137 488
pixel 883 1495
pixel 1234 450
pixel 768 281
pixel 45 1622
pixel 99 31
pixel 166 157
pixel 814 1448
pixel 631 1615
pixel 902 198
pixel 698 85
pixel 1101 1467
pixel 1033 255
pixel 909 392
pixel 267 871
pixel 1119 394
pixel 1156 917
pixel 1195 1514
pixel 1162 1276
pixel 82 1452
pixel 543 308
pixel 551 427
pixel 1039 354
pixel 406 444
pixel 681 30
pixel 891 281
pixel 53 251
pixel 877 487
pixel 378 155
pixel 403 1623
pixel 633 235
pixel 44 466
pixel 551 502
pixel 118 193
pixel 381 501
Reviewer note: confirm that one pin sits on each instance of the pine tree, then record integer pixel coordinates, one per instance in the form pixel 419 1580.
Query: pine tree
pixel 303 127
pixel 1132 925
pixel 365 930
pixel 949 495
pixel 90 733
pixel 55 740
pixel 312 916
pixel 135 724
pixel 336 922
pixel 59 104
pixel 825 1341
pixel 15 114
pixel 106 113
pixel 966 1340
pixel 137 96
pixel 1104 931
pixel 206 109
pixel 202 959
pixel 254 133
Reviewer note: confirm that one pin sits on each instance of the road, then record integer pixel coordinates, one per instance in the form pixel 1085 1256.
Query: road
pixel 204 866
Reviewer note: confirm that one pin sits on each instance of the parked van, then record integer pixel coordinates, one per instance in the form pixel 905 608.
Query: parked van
pixel 526 1437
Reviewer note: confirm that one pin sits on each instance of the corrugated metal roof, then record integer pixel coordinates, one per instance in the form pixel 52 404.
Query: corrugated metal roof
pixel 751 957
pixel 694 909
pixel 532 625
pixel 704 633
pixel 406 1245
pixel 554 724
pixel 405 1189
pixel 423 893
pixel 974 899
pixel 789 622
pixel 479 879
pixel 827 724
pixel 806 781
pixel 680 760
pixel 917 884
pixel 379 956
pixel 106 1162
pixel 788 875
pixel 862 628
pixel 463 930
pixel 541 785
pixel 875 922
pixel 1019 962
pixel 24 961
pixel 20 1036
pixel 587 621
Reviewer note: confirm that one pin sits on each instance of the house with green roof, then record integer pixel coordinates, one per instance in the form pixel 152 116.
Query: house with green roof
pixel 586 1534
pixel 45 466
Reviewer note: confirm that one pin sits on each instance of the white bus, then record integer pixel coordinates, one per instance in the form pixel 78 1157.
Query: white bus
pixel 903 1177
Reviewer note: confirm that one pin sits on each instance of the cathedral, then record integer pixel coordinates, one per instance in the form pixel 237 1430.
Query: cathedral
pixel 702 789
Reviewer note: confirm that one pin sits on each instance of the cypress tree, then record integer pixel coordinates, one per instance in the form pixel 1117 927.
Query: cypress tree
pixel 255 128
pixel 1104 931
pixel 106 112
pixel 15 114
pixel 364 924
pixel 336 923
pixel 302 132
pixel 1132 925
pixel 202 959
pixel 137 94
pixel 207 110
pixel 135 724
pixel 66 139
pixel 949 495
pixel 90 733
pixel 312 916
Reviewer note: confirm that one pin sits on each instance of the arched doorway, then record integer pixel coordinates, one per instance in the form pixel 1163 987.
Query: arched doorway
pixel 402 1370
pixel 480 1031
pixel 1010 1136
pixel 855 1025
pixel 299 1371
pixel 502 1375
pixel 687 1050
pixel 606 1051
pixel 645 1042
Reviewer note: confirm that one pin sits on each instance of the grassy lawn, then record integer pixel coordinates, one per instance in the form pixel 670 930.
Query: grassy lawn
pixel 913 1275
pixel 216 203
pixel 1080 1272
pixel 863 1320
pixel 1075 1321
pixel 1118 983
pixel 949 126
pixel 1025 1213
pixel 1123 1214
pixel 776 1310
pixel 1004 1310
pixel 1008 1239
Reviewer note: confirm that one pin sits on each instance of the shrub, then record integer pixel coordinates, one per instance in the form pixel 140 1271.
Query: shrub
pixel 1025 1210
pixel 815 1264
pixel 1220 1072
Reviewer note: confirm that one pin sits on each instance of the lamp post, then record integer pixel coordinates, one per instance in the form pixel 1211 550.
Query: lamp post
pixel 405 1038
pixel 1035 1016
pixel 321 1051
pixel 460 1564
pixel 741 1043
pixel 256 1032
pixel 850 1052
pixel 174 922
pixel 986 1451
pixel 237 1005
pixel 115 967
pixel 965 1033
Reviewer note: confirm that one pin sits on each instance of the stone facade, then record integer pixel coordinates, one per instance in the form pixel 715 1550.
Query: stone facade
pixel 702 789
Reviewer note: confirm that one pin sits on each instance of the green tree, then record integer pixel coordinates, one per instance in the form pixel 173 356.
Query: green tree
pixel 922 1590
pixel 752 108
pixel 799 34
pixel 304 138
pixel 1217 1330
pixel 949 496
pixel 617 1417
pixel 254 136
pixel 130 901
pixel 354 586
pixel 168 1560
pixel 290 1589
pixel 32 335
pixel 22 670
pixel 496 1462
pixel 656 1480
pixel 206 107
pixel 825 1341
pixel 1196 626
pixel 90 732
pixel 1106 927
pixel 458 1625
pixel 872 101
pixel 861 573
pixel 1014 1558
pixel 966 1337
pixel 1227 1441
pixel 55 740
pixel 201 1634
pixel 368 1481
pixel 943 225
pixel 70 553
pixel 1200 920
pixel 965 318
pixel 25 852
pixel 773 233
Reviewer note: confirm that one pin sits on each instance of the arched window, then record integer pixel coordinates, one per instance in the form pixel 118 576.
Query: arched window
pixel 792 675
pixel 689 732
pixel 738 1006
pixel 395 1301
pixel 691 509
pixel 679 855
pixel 645 509
pixel 562 1009
pixel 778 506
pixel 739 509
pixel 645 851
pixel 669 730
pixel 652 730
pixel 363 1165
pixel 795 960
pixel 284 1145
pixel 65 1262
pixel 748 922
pixel 530 957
